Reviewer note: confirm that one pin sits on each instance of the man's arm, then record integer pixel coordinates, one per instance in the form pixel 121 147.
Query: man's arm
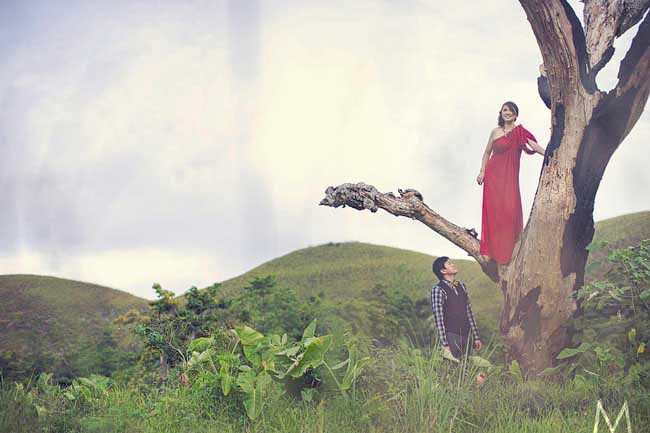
pixel 438 297
pixel 470 317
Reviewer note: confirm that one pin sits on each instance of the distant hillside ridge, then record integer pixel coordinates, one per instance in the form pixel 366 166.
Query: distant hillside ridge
pixel 58 325
pixel 63 326
pixel 346 270
pixel 625 230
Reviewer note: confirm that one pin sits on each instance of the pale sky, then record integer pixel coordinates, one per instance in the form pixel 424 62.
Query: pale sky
pixel 187 142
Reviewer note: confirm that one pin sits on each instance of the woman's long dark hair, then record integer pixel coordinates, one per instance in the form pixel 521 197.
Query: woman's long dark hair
pixel 513 107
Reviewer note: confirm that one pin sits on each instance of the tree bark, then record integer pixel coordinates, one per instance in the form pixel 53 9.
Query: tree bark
pixel 588 125
pixel 587 128
pixel 606 20
pixel 410 204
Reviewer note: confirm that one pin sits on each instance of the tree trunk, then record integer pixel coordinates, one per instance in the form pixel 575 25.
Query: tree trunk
pixel 548 262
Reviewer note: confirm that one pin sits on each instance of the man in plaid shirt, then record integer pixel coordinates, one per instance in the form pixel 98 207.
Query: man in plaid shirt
pixel 452 311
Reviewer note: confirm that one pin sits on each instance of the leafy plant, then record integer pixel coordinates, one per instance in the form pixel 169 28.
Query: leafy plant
pixel 257 364
pixel 614 328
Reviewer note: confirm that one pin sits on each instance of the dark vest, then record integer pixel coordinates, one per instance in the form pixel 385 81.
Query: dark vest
pixel 455 310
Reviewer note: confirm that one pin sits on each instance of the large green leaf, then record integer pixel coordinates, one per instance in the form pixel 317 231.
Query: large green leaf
pixel 246 381
pixel 226 381
pixel 568 353
pixel 353 372
pixel 229 362
pixel 516 372
pixel 312 357
pixel 248 336
pixel 87 382
pixel 341 365
pixel 255 388
pixel 552 371
pixel 309 330
pixel 480 362
pixel 291 351
pixel 253 354
pixel 199 344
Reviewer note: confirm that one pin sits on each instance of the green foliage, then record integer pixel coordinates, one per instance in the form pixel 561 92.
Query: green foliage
pixel 411 390
pixel 376 291
pixel 614 328
pixel 63 327
pixel 259 365
pixel 170 327
pixel 515 371
pixel 175 329
pixel 64 320
pixel 272 308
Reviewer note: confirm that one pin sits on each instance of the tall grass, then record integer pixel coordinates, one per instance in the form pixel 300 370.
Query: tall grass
pixel 407 390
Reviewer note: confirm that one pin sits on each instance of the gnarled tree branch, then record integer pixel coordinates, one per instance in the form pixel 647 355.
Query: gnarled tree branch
pixel 361 196
pixel 622 107
pixel 636 59
pixel 561 39
pixel 605 20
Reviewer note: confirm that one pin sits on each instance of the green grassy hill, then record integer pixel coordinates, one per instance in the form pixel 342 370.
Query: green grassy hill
pixel 618 232
pixel 343 271
pixel 60 325
pixel 624 230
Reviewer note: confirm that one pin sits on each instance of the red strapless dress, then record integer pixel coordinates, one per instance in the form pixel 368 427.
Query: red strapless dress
pixel 502 215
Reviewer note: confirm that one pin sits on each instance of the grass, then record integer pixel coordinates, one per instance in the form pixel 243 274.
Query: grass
pixel 46 320
pixel 407 391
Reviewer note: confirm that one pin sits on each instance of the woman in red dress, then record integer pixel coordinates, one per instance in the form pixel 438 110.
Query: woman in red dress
pixel 502 215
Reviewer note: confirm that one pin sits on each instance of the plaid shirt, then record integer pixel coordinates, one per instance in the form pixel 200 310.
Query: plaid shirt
pixel 438 298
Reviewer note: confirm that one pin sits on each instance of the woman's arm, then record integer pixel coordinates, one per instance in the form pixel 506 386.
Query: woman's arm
pixel 486 157
pixel 536 147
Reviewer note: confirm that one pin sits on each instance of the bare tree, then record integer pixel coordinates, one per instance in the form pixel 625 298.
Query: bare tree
pixel 588 125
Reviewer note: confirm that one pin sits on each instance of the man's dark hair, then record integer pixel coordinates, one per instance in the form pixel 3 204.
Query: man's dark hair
pixel 439 265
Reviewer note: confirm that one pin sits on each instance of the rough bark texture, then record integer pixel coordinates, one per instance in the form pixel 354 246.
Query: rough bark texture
pixel 411 205
pixel 606 20
pixel 548 263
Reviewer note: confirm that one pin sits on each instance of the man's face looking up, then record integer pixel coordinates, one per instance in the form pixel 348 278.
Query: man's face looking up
pixel 450 268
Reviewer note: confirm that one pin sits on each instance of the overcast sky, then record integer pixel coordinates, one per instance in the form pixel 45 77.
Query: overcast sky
pixel 188 142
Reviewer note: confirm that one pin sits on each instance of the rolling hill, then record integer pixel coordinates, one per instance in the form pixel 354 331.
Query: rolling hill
pixel 62 325
pixel 342 271
pixel 57 324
